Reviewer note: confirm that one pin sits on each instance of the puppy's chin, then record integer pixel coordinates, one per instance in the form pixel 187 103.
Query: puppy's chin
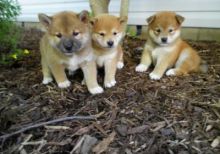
pixel 67 54
pixel 164 44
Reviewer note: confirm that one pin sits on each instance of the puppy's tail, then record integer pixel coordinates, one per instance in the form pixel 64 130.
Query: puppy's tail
pixel 203 66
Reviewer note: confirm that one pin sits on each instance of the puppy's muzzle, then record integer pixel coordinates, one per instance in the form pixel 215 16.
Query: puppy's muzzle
pixel 164 39
pixel 110 44
pixel 69 45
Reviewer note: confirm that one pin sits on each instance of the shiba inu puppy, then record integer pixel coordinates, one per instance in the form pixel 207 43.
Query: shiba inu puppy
pixel 107 32
pixel 165 49
pixel 67 45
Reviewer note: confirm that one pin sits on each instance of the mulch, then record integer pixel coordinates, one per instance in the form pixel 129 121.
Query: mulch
pixel 175 115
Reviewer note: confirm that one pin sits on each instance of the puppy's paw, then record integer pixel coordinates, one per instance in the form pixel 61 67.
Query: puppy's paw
pixel 171 72
pixel 155 76
pixel 141 68
pixel 47 80
pixel 64 84
pixel 96 90
pixel 120 65
pixel 110 84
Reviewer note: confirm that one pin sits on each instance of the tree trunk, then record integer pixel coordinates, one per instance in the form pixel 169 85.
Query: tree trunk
pixel 124 11
pixel 99 6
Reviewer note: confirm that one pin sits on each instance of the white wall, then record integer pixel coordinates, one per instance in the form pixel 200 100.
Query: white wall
pixel 198 13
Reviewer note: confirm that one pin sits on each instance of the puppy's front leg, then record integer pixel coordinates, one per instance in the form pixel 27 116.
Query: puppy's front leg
pixel 161 66
pixel 120 63
pixel 146 60
pixel 47 78
pixel 110 71
pixel 90 77
pixel 59 74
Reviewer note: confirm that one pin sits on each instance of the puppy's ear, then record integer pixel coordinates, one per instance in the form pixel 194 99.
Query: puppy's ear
pixel 84 16
pixel 45 20
pixel 180 19
pixel 93 21
pixel 150 19
pixel 123 19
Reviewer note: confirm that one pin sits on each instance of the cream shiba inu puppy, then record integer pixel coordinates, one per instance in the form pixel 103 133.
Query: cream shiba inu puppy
pixel 107 32
pixel 67 45
pixel 166 50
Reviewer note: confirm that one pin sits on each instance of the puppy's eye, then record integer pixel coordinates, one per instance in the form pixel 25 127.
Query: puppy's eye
pixel 115 33
pixel 171 30
pixel 59 35
pixel 158 30
pixel 102 34
pixel 75 33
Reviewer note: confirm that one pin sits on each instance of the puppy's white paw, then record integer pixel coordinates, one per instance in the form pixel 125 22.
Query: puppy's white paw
pixel 120 65
pixel 47 80
pixel 96 90
pixel 110 84
pixel 171 72
pixel 154 76
pixel 141 68
pixel 64 84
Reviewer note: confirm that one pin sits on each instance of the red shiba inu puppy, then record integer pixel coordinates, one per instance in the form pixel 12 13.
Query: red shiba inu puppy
pixel 166 50
pixel 67 45
pixel 107 32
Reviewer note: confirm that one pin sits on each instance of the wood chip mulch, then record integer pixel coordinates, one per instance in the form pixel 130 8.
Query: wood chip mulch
pixel 176 115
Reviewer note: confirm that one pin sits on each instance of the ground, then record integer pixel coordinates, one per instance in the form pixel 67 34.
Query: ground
pixel 174 115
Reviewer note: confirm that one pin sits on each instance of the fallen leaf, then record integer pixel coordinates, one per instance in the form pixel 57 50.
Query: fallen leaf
pixel 103 145
pixel 82 130
pixel 158 126
pixel 87 144
pixel 78 145
pixel 122 129
pixel 167 132
pixel 215 142
pixel 128 151
pixel 138 129
pixel 208 128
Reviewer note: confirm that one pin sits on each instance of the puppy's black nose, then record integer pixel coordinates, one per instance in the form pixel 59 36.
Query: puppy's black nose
pixel 68 45
pixel 164 39
pixel 110 43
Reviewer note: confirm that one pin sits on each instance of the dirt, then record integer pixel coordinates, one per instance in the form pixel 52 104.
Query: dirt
pixel 175 115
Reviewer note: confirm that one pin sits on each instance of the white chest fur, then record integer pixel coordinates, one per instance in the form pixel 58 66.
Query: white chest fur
pixel 159 52
pixel 102 59
pixel 76 60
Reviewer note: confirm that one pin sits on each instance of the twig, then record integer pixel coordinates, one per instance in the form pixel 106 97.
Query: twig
pixel 34 143
pixel 57 127
pixel 79 143
pixel 216 112
pixel 215 105
pixel 3 137
pixel 25 141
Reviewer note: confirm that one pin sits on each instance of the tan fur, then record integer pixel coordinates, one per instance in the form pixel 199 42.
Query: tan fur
pixel 174 52
pixel 107 28
pixel 53 58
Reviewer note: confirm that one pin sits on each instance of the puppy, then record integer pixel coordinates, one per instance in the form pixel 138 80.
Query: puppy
pixel 67 45
pixel 166 50
pixel 107 32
